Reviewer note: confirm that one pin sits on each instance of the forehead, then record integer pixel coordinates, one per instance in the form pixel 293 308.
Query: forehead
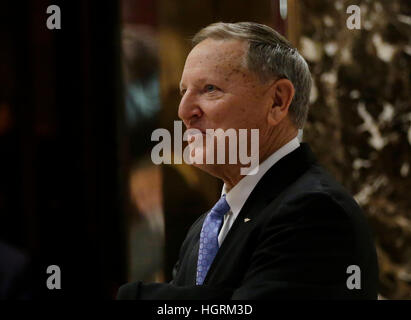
pixel 229 51
pixel 216 57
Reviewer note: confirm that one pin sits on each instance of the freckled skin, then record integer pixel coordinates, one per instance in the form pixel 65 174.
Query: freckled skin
pixel 220 63
pixel 236 99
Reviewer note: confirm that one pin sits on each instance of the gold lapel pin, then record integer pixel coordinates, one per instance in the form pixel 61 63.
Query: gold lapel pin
pixel 246 219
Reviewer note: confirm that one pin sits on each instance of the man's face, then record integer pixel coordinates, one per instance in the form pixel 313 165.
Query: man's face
pixel 219 92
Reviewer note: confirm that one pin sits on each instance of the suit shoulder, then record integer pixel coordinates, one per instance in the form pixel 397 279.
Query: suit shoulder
pixel 317 187
pixel 316 197
pixel 128 291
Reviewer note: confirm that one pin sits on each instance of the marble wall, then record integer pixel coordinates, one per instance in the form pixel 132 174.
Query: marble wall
pixel 360 118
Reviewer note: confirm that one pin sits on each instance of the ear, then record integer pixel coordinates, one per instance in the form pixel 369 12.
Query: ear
pixel 282 95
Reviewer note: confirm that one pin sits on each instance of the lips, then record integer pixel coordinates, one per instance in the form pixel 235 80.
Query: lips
pixel 191 137
pixel 192 132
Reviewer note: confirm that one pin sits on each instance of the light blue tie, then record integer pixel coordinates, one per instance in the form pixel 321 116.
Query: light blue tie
pixel 209 238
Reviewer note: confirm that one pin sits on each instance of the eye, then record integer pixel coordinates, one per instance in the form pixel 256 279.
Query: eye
pixel 182 91
pixel 210 88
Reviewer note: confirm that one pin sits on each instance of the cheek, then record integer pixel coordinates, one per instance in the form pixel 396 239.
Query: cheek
pixel 249 114
pixel 219 111
pixel 240 111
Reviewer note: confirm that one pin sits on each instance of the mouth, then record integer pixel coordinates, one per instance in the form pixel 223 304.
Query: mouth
pixel 191 136
pixel 197 132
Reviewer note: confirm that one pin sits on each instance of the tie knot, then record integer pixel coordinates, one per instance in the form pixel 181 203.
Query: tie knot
pixel 221 207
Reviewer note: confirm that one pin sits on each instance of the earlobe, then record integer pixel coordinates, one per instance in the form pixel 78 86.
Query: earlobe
pixel 274 116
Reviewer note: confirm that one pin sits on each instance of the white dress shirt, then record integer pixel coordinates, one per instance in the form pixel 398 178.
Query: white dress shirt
pixel 238 195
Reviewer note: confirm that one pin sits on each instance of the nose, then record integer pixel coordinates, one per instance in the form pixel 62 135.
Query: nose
pixel 189 108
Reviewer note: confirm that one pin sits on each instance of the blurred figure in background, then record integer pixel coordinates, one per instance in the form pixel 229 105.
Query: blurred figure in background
pixel 15 278
pixel 146 222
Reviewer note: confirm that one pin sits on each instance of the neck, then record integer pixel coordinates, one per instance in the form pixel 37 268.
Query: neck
pixel 277 139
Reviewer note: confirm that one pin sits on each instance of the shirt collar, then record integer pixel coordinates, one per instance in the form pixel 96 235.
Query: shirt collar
pixel 238 195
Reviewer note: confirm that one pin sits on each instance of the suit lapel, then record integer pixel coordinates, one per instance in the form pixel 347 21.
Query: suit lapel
pixel 274 181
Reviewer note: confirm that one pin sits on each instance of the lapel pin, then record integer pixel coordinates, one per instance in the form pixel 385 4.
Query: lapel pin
pixel 246 219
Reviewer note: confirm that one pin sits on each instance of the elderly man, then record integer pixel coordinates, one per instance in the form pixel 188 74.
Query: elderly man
pixel 290 231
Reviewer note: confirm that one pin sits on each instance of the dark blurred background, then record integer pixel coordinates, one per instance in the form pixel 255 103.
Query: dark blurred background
pixel 78 106
pixel 62 158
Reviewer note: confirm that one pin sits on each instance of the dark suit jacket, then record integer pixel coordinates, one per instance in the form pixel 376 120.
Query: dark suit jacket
pixel 304 231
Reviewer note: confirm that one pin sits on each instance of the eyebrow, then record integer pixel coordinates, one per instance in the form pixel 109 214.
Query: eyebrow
pixel 200 80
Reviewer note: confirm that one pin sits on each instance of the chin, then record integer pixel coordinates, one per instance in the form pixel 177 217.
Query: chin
pixel 212 169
